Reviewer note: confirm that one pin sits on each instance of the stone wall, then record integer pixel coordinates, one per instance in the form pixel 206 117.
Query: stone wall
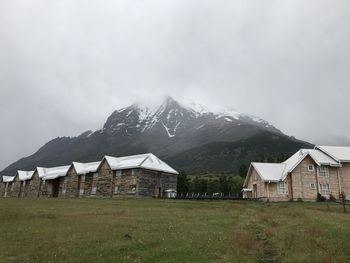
pixel 33 188
pixel 25 188
pixel 86 183
pixel 104 180
pixel 71 184
pixel 255 179
pixel 306 183
pixel 53 187
pixel 345 179
pixel 16 186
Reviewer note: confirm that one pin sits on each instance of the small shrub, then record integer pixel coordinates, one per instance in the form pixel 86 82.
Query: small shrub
pixel 320 198
pixel 300 200
pixel 332 198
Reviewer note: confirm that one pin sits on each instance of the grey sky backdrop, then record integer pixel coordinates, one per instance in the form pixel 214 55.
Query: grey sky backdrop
pixel 66 65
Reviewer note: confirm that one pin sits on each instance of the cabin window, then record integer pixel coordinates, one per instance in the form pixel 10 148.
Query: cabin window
pixel 116 189
pixel 310 167
pixel 133 172
pixel 118 173
pixel 324 189
pixel 323 171
pixel 94 190
pixel 126 172
pixel 312 186
pixel 95 176
pixel 282 187
pixel 81 191
pixel 82 179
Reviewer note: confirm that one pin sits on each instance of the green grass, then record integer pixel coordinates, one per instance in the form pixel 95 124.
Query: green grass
pixel 111 230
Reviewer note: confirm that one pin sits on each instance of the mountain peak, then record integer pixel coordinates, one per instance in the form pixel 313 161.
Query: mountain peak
pixel 169 129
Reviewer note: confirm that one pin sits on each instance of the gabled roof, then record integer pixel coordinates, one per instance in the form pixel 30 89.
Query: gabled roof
pixel 319 157
pixel 275 172
pixel 24 175
pixel 84 168
pixel 53 172
pixel 269 171
pixel 8 179
pixel 145 161
pixel 341 154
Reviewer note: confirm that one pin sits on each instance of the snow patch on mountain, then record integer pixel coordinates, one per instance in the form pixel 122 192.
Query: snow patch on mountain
pixel 173 116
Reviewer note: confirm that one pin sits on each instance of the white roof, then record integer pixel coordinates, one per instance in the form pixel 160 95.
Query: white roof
pixel 7 179
pixel 145 161
pixel 270 171
pixel 341 154
pixel 25 175
pixel 319 157
pixel 84 168
pixel 53 172
pixel 274 172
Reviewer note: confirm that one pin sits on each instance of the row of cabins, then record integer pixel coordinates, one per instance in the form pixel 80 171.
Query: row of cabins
pixel 137 175
pixel 324 170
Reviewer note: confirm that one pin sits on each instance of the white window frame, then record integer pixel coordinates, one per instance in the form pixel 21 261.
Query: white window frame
pixel 310 166
pixel 81 191
pixel 93 190
pixel 116 189
pixel 282 187
pixel 95 176
pixel 323 171
pixel 325 189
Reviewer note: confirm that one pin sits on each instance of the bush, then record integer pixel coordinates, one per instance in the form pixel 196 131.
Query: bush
pixel 300 200
pixel 332 198
pixel 321 198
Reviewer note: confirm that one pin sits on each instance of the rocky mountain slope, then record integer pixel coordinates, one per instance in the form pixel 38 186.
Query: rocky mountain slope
pixel 187 137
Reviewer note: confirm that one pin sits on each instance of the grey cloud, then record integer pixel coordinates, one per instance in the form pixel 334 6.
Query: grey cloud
pixel 66 65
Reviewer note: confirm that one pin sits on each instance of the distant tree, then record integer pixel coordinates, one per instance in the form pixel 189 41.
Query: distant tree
pixel 182 183
pixel 196 185
pixel 224 185
pixel 213 186
pixel 270 159
pixel 281 158
pixel 236 185
pixel 243 170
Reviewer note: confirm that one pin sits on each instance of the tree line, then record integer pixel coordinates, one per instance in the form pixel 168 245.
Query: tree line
pixel 224 183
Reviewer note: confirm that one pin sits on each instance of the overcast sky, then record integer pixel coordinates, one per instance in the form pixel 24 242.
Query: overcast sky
pixel 66 65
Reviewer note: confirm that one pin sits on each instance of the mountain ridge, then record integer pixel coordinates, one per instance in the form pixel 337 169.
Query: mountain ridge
pixel 167 130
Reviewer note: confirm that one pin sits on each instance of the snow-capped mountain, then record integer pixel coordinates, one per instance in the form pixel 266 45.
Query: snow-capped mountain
pixel 173 118
pixel 210 140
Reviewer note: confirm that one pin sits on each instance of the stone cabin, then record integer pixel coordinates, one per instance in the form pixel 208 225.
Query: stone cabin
pixel 136 175
pixel 304 175
pixel 7 185
pixel 35 184
pixel 81 179
pixel 24 179
pixel 53 181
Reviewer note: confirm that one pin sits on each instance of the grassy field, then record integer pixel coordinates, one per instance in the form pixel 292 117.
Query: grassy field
pixel 110 230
